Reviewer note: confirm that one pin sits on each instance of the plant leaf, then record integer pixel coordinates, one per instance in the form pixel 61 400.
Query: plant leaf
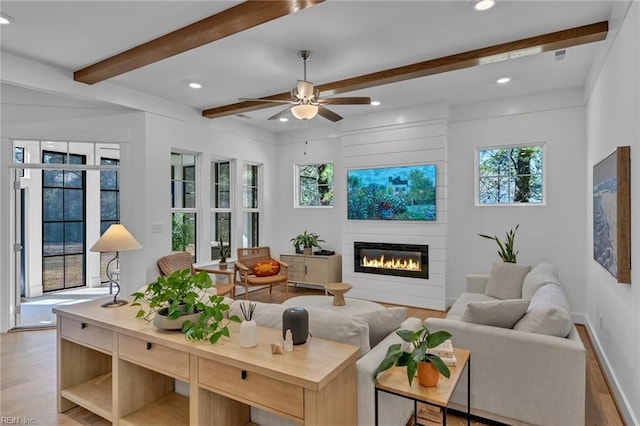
pixel 436 361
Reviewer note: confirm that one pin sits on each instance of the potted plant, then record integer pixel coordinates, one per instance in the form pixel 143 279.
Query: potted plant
pixel 416 357
pixel 180 301
pixel 506 249
pixel 308 241
pixel 225 252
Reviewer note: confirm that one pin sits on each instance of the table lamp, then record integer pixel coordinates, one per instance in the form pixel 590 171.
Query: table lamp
pixel 116 238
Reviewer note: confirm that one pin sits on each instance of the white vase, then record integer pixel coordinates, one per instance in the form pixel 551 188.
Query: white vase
pixel 248 334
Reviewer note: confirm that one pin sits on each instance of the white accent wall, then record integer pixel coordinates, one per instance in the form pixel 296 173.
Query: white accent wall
pixel 404 137
pixel 613 309
pixel 553 232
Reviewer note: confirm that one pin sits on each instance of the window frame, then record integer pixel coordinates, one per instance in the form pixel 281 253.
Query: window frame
pixel 221 210
pixel 543 174
pixel 250 211
pixel 296 185
pixel 186 210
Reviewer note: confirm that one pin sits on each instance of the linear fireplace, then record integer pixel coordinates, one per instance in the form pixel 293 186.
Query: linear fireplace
pixel 404 260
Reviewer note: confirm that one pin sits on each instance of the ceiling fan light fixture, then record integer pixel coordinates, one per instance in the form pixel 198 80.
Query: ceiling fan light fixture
pixel 5 19
pixel 482 5
pixel 304 111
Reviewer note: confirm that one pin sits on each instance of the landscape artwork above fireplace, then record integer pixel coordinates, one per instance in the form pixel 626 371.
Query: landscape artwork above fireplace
pixel 403 260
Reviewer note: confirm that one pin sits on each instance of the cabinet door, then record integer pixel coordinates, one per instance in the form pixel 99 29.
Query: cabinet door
pixel 317 270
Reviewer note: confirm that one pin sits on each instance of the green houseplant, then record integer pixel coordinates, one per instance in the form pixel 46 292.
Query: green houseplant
pixel 225 252
pixel 506 249
pixel 182 297
pixel 419 341
pixel 308 240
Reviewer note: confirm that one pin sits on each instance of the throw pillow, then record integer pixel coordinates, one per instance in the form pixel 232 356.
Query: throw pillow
pixel 548 313
pixel 543 273
pixel 347 329
pixel 505 280
pixel 498 313
pixel 266 268
pixel 382 322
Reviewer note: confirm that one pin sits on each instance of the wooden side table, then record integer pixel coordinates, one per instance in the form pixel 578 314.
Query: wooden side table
pixel 394 381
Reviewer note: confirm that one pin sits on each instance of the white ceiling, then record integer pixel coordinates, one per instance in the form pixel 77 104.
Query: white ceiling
pixel 347 39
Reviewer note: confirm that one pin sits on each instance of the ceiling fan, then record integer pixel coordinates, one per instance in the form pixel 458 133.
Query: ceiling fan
pixel 306 102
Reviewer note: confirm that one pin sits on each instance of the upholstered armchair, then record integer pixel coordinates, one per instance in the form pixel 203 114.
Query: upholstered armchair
pixel 255 266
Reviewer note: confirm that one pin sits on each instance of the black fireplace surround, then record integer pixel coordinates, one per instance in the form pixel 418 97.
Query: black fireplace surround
pixel 403 260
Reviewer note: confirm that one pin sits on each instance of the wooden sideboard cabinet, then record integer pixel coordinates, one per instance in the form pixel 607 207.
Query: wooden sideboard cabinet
pixel 313 269
pixel 124 370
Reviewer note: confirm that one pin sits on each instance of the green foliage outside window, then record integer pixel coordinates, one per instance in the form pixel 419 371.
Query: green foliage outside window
pixel 315 185
pixel 510 175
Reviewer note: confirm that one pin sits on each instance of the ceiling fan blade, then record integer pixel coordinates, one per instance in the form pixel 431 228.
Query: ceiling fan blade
pixel 280 114
pixel 266 100
pixel 304 89
pixel 328 114
pixel 353 100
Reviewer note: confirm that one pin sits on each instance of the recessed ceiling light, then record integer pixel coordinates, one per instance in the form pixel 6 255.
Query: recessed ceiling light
pixel 503 80
pixel 482 5
pixel 195 85
pixel 283 119
pixel 375 103
pixel 5 19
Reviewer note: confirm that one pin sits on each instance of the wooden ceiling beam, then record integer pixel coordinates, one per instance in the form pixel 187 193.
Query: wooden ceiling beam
pixel 228 22
pixel 533 45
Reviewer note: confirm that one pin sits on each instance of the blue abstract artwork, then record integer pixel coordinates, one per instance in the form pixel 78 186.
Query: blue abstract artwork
pixel 605 214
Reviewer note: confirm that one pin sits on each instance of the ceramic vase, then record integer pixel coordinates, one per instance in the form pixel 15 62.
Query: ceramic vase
pixel 248 334
pixel 428 375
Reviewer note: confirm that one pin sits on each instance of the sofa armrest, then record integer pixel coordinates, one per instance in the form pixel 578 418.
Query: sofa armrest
pixel 393 409
pixel 514 373
pixel 476 283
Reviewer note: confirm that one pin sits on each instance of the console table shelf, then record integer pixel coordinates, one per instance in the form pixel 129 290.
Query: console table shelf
pixel 171 410
pixel 94 395
pixel 124 370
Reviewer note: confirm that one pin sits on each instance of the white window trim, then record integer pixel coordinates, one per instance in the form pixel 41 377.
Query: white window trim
pixel 258 209
pixel 198 191
pixel 476 168
pixel 231 209
pixel 296 184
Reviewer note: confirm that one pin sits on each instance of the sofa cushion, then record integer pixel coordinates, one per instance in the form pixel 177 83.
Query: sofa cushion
pixel 382 322
pixel 348 329
pixel 505 280
pixel 264 314
pixel 548 313
pixel 498 313
pixel 460 305
pixel 543 273
pixel 322 324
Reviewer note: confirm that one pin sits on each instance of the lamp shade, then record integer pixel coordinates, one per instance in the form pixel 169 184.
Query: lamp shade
pixel 116 238
pixel 304 111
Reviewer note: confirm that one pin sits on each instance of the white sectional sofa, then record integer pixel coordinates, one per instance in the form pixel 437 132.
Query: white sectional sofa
pixel 527 359
pixel 365 330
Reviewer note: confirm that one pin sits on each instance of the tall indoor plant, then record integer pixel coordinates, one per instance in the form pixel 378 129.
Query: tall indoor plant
pixel 506 250
pixel 419 341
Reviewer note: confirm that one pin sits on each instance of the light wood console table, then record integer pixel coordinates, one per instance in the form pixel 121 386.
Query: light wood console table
pixel 123 369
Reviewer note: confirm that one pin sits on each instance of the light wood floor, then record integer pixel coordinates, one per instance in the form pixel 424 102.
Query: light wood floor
pixel 28 376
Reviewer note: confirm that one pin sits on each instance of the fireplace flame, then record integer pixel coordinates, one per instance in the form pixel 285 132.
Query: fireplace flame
pixel 393 263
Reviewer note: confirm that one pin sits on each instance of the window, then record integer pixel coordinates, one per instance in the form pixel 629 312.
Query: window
pixel 109 207
pixel 18 157
pixel 314 185
pixel 63 225
pixel 221 212
pixel 510 175
pixel 183 202
pixel 250 205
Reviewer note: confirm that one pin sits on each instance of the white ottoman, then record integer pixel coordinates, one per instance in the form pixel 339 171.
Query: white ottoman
pixel 325 303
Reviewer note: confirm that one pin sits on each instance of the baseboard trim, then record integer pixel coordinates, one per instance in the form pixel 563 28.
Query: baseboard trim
pixel 621 400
